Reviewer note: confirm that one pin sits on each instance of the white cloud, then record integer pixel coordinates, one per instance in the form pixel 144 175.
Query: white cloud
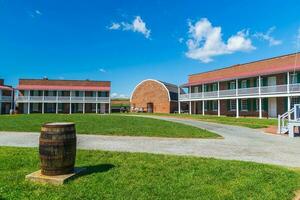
pixel 114 26
pixel 38 12
pixel 205 41
pixel 267 37
pixel 137 25
pixel 102 70
pixel 181 40
pixel 116 95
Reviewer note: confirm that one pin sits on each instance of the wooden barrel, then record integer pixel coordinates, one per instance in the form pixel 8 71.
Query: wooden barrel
pixel 57 148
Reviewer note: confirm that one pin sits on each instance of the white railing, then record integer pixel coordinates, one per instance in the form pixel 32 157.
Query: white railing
pixel 274 89
pixel 253 91
pixel 247 91
pixel 227 93
pixel 283 121
pixel 63 99
pixel 6 98
pixel 50 98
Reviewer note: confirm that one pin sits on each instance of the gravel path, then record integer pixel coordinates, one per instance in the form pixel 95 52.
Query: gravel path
pixel 239 143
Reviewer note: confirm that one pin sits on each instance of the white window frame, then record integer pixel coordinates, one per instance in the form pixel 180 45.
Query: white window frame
pixel 257 104
pixel 232 105
pixel 232 85
pixel 205 105
pixel 293 78
pixel 244 84
pixel 215 87
pixel 244 105
pixel 214 105
pixel 295 100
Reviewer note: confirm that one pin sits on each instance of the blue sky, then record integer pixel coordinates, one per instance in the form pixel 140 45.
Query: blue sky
pixel 128 41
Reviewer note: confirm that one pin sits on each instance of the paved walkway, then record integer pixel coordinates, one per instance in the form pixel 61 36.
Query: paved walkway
pixel 239 143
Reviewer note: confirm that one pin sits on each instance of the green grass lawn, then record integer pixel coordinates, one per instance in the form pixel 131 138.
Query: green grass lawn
pixel 112 175
pixel 105 125
pixel 250 122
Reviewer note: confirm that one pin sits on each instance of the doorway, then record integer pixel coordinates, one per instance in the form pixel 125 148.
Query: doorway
pixel 149 107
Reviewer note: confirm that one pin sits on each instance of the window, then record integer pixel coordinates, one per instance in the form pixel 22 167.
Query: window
pixel 232 105
pixel 244 105
pixel 215 105
pixel 215 87
pixel 205 105
pixel 257 82
pixel 257 104
pixel 196 90
pixel 35 107
pixel 295 100
pixel 244 84
pixel 232 85
pixel 293 78
pixel 205 88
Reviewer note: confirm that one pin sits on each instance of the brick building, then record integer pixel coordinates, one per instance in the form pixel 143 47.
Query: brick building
pixel 63 96
pixel 6 98
pixel 154 96
pixel 261 88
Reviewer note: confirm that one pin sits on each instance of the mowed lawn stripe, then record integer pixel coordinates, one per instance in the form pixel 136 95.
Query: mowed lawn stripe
pixel 114 175
pixel 105 125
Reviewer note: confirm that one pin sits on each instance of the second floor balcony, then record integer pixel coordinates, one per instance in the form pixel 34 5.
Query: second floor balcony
pixel 61 99
pixel 262 91
pixel 6 98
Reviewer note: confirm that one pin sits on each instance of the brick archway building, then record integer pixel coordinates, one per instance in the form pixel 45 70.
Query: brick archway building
pixel 154 96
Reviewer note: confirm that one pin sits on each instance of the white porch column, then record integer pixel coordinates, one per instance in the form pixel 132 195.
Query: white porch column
pixel 83 104
pixel 219 108
pixel 190 107
pixel 70 109
pixel 97 102
pixel 259 85
pixel 203 107
pixel 56 108
pixel 179 106
pixel 260 107
pixel 288 82
pixel 237 108
pixel 28 106
pixel 109 107
pixel 218 89
pixel 237 100
pixel 289 107
pixel 236 86
pixel 43 104
pixel 202 90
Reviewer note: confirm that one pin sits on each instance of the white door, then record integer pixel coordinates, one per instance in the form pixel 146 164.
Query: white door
pixel 272 107
pixel 272 102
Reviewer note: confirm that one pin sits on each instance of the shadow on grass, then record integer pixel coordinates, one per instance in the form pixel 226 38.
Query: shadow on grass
pixel 87 170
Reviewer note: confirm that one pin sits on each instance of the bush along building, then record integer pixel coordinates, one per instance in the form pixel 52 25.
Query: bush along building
pixel 6 98
pixel 63 96
pixel 265 88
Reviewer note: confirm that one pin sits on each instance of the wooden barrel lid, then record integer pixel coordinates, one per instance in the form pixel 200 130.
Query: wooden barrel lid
pixel 58 124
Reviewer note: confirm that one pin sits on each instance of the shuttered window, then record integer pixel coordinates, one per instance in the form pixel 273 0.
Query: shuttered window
pixel 244 105
pixel 215 105
pixel 232 104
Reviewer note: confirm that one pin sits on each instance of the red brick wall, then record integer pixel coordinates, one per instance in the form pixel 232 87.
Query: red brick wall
pixel 151 92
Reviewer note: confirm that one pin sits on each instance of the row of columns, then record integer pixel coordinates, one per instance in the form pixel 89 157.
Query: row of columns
pixel 237 102
pixel 70 108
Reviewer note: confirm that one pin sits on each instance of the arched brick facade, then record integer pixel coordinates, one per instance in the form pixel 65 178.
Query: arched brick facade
pixel 152 91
